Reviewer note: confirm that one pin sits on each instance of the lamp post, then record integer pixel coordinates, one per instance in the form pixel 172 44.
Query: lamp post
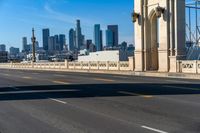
pixel 33 45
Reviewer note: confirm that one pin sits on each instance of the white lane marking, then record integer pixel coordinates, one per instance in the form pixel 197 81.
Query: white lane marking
pixel 135 94
pixel 153 129
pixel 120 77
pixel 105 80
pixel 26 77
pixel 58 75
pixel 174 81
pixel 61 82
pixel 14 88
pixel 183 88
pixel 56 100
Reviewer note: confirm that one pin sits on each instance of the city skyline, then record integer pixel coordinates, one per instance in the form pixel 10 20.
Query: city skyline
pixel 60 17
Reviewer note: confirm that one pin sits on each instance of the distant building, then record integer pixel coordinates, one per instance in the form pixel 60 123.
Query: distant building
pixel 88 43
pixel 56 43
pixel 123 46
pixel 62 42
pixel 114 29
pixel 51 43
pixel 24 44
pixel 109 39
pixel 113 55
pixel 72 38
pixel 2 47
pixel 46 34
pixel 78 35
pixel 130 50
pixel 3 56
pixel 98 40
pixel 14 53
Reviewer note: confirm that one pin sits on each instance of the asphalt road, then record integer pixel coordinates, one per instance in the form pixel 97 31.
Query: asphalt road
pixel 64 102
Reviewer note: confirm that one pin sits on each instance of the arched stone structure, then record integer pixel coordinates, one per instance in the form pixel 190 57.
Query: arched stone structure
pixel 159 34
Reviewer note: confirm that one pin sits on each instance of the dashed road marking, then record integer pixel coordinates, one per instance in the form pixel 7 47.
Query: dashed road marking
pixel 61 82
pixel 183 88
pixel 56 100
pixel 135 94
pixel 105 80
pixel 6 74
pixel 14 88
pixel 58 75
pixel 27 77
pixel 120 77
pixel 153 129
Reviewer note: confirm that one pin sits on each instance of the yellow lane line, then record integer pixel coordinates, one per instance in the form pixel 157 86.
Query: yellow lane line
pixel 135 94
pixel 61 82
pixel 106 80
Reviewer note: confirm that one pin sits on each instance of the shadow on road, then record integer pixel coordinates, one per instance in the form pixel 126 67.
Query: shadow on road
pixel 95 90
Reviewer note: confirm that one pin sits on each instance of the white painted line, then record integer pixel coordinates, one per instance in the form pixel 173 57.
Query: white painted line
pixel 56 100
pixel 135 94
pixel 61 82
pixel 58 75
pixel 14 88
pixel 174 81
pixel 181 87
pixel 105 80
pixel 153 129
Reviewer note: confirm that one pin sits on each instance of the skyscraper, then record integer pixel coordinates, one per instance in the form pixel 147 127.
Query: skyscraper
pixel 114 29
pixel 2 47
pixel 78 35
pixel 109 39
pixel 62 41
pixel 98 37
pixel 46 34
pixel 51 43
pixel 14 51
pixel 71 39
pixel 56 42
pixel 24 44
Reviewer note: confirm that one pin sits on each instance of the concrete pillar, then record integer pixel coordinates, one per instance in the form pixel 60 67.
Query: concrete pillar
pixel 139 36
pixel 131 63
pixel 66 64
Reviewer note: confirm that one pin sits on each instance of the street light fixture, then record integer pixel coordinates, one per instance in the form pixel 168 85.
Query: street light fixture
pixel 135 16
pixel 159 11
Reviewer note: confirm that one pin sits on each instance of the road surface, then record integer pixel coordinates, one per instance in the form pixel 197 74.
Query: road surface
pixel 66 102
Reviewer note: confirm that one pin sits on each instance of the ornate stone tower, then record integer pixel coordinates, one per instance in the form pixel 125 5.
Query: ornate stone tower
pixel 159 34
pixel 33 39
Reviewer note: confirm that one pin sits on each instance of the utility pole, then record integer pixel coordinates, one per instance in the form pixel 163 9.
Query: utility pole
pixel 33 45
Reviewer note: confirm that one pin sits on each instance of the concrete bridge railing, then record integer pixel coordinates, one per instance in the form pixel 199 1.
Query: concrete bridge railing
pixel 189 66
pixel 182 66
pixel 86 65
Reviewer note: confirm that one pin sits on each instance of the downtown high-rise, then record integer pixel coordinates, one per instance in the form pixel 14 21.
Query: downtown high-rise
pixel 72 39
pixel 2 47
pixel 109 39
pixel 115 35
pixel 62 41
pixel 45 37
pixel 24 44
pixel 78 41
pixel 98 37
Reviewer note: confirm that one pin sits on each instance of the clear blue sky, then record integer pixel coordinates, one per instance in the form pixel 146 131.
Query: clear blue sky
pixel 17 17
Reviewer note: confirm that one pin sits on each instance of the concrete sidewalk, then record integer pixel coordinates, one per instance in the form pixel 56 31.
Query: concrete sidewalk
pixel 147 74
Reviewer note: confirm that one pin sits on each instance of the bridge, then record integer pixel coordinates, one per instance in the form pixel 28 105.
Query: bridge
pixel 135 96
